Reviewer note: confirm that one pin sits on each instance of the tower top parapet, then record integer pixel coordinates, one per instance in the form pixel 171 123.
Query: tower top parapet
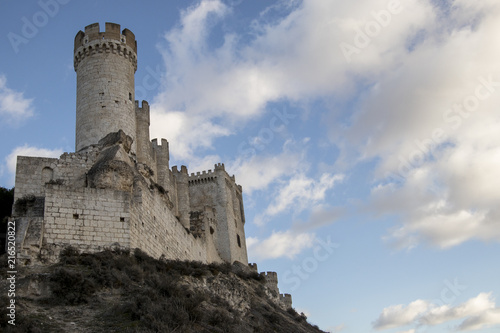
pixel 112 31
pixel 111 40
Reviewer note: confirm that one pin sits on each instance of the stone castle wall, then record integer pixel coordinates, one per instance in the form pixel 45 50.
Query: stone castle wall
pixel 89 219
pixel 156 230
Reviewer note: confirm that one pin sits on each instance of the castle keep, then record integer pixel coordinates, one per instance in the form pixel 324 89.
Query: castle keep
pixel 117 189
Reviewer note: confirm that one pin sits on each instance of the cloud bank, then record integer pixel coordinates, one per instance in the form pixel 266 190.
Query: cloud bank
pixel 416 93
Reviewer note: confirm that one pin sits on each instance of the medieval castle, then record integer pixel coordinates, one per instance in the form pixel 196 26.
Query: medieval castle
pixel 117 188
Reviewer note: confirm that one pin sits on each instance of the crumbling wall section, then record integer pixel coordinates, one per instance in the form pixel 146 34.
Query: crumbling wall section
pixel 31 175
pixel 204 225
pixel 71 168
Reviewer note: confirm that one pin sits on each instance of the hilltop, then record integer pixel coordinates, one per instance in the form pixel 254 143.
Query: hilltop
pixel 115 291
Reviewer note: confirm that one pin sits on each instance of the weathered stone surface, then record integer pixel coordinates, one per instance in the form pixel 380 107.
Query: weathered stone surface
pixel 112 170
pixel 116 138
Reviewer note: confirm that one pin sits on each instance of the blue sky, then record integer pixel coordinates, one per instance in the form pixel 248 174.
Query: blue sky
pixel 365 135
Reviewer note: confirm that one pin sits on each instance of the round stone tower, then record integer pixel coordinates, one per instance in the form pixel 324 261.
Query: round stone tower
pixel 105 64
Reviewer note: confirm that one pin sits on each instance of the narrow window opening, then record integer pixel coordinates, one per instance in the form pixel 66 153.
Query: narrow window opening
pixel 76 216
pixel 130 96
pixel 238 239
pixel 212 231
pixel 122 219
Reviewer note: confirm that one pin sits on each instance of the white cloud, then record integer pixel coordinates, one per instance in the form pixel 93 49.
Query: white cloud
pixel 404 84
pixel 11 159
pixel 436 161
pixel 258 172
pixel 476 313
pixel 13 106
pixel 280 244
pixel 298 193
pixel 251 241
pixel 400 315
pixel 295 57
pixel 472 307
pixel 484 320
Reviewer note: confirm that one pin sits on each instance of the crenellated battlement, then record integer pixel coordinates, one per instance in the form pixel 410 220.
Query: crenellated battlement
pixel 144 108
pixel 163 146
pixel 270 276
pixel 112 31
pixel 286 299
pixel 162 152
pixel 202 178
pixel 219 166
pixel 201 174
pixel 183 170
pixel 93 41
pixel 253 267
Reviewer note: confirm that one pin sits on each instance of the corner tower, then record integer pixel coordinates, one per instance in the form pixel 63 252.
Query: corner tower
pixel 105 65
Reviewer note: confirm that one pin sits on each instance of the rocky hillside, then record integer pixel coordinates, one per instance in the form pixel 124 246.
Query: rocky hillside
pixel 114 291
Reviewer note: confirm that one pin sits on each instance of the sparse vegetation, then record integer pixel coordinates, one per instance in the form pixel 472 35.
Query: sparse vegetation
pixel 22 204
pixel 6 202
pixel 154 296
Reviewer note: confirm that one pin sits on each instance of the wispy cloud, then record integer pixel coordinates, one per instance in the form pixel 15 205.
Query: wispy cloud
pixel 280 244
pixel 260 171
pixel 337 329
pixel 14 107
pixel 298 193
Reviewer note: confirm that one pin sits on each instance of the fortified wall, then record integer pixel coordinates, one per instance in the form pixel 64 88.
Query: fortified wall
pixel 117 189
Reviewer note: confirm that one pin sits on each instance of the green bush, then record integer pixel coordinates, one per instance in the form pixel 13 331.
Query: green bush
pixel 70 287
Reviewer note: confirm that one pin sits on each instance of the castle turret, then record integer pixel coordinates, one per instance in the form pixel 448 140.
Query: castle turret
pixel 181 178
pixel 105 64
pixel 271 280
pixel 144 148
